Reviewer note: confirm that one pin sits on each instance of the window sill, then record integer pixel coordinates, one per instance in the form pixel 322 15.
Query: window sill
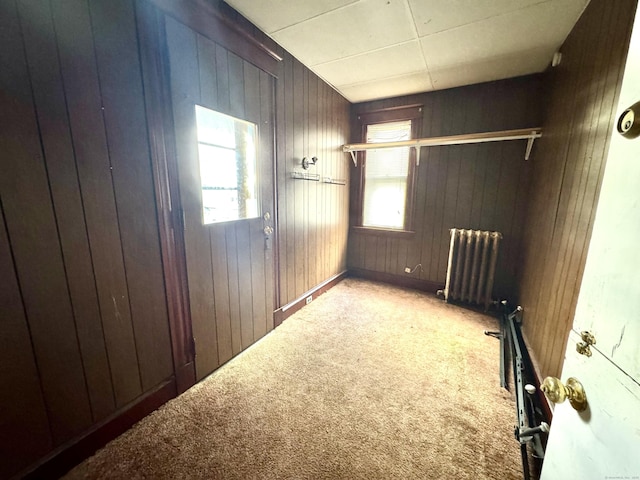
pixel 383 232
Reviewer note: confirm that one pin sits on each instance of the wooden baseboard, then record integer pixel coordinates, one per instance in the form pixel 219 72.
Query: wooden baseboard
pixel 399 280
pixel 185 377
pixel 281 314
pixel 66 456
pixel 535 370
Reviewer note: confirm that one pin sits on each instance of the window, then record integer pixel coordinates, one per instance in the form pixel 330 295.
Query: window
pixel 386 181
pixel 385 177
pixel 228 176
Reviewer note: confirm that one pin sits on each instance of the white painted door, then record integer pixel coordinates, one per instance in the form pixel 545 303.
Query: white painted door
pixel 604 441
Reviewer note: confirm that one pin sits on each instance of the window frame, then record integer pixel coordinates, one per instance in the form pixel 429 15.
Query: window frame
pixel 413 113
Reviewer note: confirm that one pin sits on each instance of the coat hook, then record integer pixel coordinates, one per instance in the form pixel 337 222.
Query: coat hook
pixel 306 162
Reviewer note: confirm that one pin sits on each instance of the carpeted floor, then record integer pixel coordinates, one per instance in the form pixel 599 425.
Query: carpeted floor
pixel 369 381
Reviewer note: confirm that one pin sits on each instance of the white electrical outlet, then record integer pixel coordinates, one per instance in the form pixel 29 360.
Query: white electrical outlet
pixel 308 299
pixel 407 270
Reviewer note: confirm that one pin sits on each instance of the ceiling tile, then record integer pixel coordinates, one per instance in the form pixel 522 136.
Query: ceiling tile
pixel 546 24
pixel 432 16
pixel 389 87
pixel 387 62
pixel 506 66
pixel 357 28
pixel 277 14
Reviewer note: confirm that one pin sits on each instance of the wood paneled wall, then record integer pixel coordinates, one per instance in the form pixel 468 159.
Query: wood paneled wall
pixel 567 172
pixel 479 186
pixel 312 121
pixel 84 327
pixel 84 330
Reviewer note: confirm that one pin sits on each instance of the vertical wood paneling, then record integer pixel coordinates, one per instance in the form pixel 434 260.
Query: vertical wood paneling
pixel 33 235
pixel 118 63
pixel 83 296
pixel 79 71
pixel 567 173
pixel 245 292
pixel 49 97
pixel 312 121
pixel 221 294
pixel 463 186
pixel 25 433
pixel 286 165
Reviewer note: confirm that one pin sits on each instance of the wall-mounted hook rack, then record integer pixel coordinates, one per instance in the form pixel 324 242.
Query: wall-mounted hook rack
pixel 312 177
pixel 334 181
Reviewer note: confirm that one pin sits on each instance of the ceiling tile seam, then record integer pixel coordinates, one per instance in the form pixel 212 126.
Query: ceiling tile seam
pixel 362 54
pixel 415 30
pixel 381 79
pixel 485 19
pixel 341 7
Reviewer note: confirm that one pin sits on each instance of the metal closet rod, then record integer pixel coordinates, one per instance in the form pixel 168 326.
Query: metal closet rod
pixel 529 134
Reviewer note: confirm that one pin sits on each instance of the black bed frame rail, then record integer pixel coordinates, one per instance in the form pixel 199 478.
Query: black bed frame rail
pixel 530 429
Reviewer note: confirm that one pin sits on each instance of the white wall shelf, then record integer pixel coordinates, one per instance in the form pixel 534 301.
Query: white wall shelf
pixel 529 134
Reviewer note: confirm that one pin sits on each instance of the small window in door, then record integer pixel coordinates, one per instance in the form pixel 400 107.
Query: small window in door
pixel 227 150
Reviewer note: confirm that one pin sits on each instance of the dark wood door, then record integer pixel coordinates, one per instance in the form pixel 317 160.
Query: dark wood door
pixel 230 265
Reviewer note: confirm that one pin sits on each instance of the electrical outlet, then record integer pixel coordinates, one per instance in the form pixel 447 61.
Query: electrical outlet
pixel 407 270
pixel 308 299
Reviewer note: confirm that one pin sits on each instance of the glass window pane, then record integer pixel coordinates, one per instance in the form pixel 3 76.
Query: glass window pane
pixel 228 170
pixel 385 177
pixel 217 167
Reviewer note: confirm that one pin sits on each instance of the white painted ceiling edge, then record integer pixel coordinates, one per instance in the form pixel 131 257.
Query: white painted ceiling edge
pixel 372 49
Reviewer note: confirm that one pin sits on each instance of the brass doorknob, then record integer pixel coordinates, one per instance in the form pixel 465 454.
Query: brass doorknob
pixel 557 392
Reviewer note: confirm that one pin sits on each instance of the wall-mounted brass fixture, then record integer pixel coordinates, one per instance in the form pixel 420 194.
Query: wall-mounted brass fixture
pixel 306 162
pixel 583 348
pixel 557 392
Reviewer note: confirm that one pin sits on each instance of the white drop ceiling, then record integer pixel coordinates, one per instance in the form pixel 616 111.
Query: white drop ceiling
pixel 371 49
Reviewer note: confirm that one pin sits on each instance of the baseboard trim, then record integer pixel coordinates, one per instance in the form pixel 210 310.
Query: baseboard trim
pixel 281 314
pixel 535 370
pixel 70 454
pixel 398 280
pixel 185 377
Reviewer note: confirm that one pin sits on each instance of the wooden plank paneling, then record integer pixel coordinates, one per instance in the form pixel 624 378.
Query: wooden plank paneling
pixel 464 186
pixel 221 294
pixel 49 98
pixel 114 32
pixel 566 175
pixel 245 290
pixel 25 434
pixel 79 71
pixel 313 121
pixel 33 235
pixel 79 244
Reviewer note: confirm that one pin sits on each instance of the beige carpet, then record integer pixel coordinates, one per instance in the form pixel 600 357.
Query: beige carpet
pixel 368 382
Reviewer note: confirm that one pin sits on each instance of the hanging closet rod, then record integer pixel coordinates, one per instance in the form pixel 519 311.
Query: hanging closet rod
pixel 529 134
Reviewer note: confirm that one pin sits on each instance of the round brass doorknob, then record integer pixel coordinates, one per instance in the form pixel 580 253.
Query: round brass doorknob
pixel 557 392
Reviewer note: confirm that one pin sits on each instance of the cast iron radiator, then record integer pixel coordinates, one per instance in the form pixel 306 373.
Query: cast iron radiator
pixel 472 265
